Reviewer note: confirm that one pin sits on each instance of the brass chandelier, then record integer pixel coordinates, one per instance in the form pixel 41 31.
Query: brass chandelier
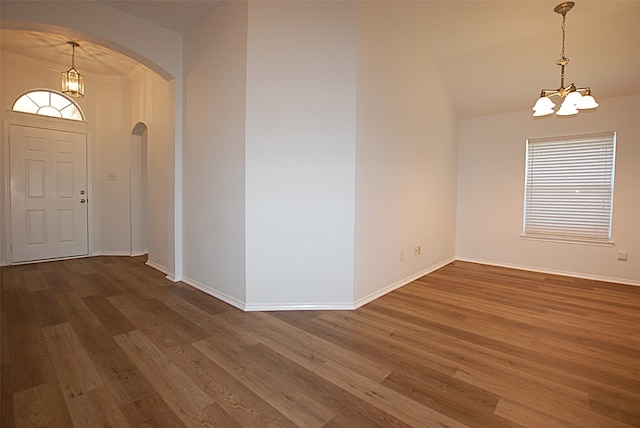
pixel 72 80
pixel 575 99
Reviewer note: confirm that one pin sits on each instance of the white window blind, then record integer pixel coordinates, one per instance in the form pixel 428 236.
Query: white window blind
pixel 569 188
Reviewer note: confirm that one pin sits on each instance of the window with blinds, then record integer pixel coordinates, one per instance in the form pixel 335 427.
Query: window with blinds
pixel 569 188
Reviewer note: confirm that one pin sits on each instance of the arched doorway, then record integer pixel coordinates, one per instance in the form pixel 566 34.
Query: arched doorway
pixel 152 96
pixel 138 189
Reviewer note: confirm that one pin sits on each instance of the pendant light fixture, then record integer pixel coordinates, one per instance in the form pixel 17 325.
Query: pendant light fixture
pixel 575 99
pixel 72 80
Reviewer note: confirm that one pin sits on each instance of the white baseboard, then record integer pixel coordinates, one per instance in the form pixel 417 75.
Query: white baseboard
pixel 162 269
pixel 119 253
pixel 243 306
pixel 299 307
pixel 218 295
pixel 551 271
pixel 113 253
pixel 371 297
pixel 157 266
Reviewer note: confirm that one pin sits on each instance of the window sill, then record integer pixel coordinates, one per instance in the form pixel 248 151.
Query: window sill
pixel 568 240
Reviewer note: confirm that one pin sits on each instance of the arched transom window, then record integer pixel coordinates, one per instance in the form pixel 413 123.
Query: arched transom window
pixel 48 103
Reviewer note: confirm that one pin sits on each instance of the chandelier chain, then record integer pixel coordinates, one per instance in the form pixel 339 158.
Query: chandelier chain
pixel 74 45
pixel 564 17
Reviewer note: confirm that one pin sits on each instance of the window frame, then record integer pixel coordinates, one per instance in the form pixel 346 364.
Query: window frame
pixel 50 105
pixel 544 220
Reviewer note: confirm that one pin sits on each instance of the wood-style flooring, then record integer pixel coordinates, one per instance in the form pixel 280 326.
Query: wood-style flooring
pixel 108 342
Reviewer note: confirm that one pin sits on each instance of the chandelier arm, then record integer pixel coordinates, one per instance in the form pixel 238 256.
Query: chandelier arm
pixel 550 92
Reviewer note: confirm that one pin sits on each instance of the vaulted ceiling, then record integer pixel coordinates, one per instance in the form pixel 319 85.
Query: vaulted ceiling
pixel 495 56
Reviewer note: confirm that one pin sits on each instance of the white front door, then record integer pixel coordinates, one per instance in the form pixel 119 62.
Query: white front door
pixel 48 193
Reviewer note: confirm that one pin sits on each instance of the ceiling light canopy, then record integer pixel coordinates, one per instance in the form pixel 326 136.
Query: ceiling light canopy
pixel 574 99
pixel 72 80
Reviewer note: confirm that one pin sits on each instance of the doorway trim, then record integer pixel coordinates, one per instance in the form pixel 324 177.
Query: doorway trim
pixel 45 122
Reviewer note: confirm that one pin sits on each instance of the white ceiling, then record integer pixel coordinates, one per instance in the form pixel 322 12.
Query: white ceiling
pixel 495 56
pixel 179 16
pixel 53 48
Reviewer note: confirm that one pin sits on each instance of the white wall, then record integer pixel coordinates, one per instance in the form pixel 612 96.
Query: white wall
pixel 406 154
pixel 109 118
pixel 315 72
pixel 300 154
pixel 491 186
pixel 214 154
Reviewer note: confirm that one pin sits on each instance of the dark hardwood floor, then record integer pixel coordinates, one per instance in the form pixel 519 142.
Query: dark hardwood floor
pixel 108 341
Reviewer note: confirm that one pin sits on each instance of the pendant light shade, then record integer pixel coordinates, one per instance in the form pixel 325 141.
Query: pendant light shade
pixel 72 80
pixel 573 98
pixel 544 103
pixel 543 107
pixel 567 109
pixel 587 101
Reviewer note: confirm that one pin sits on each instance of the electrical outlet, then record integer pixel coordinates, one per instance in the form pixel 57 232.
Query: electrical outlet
pixel 401 255
pixel 622 255
pixel 418 250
